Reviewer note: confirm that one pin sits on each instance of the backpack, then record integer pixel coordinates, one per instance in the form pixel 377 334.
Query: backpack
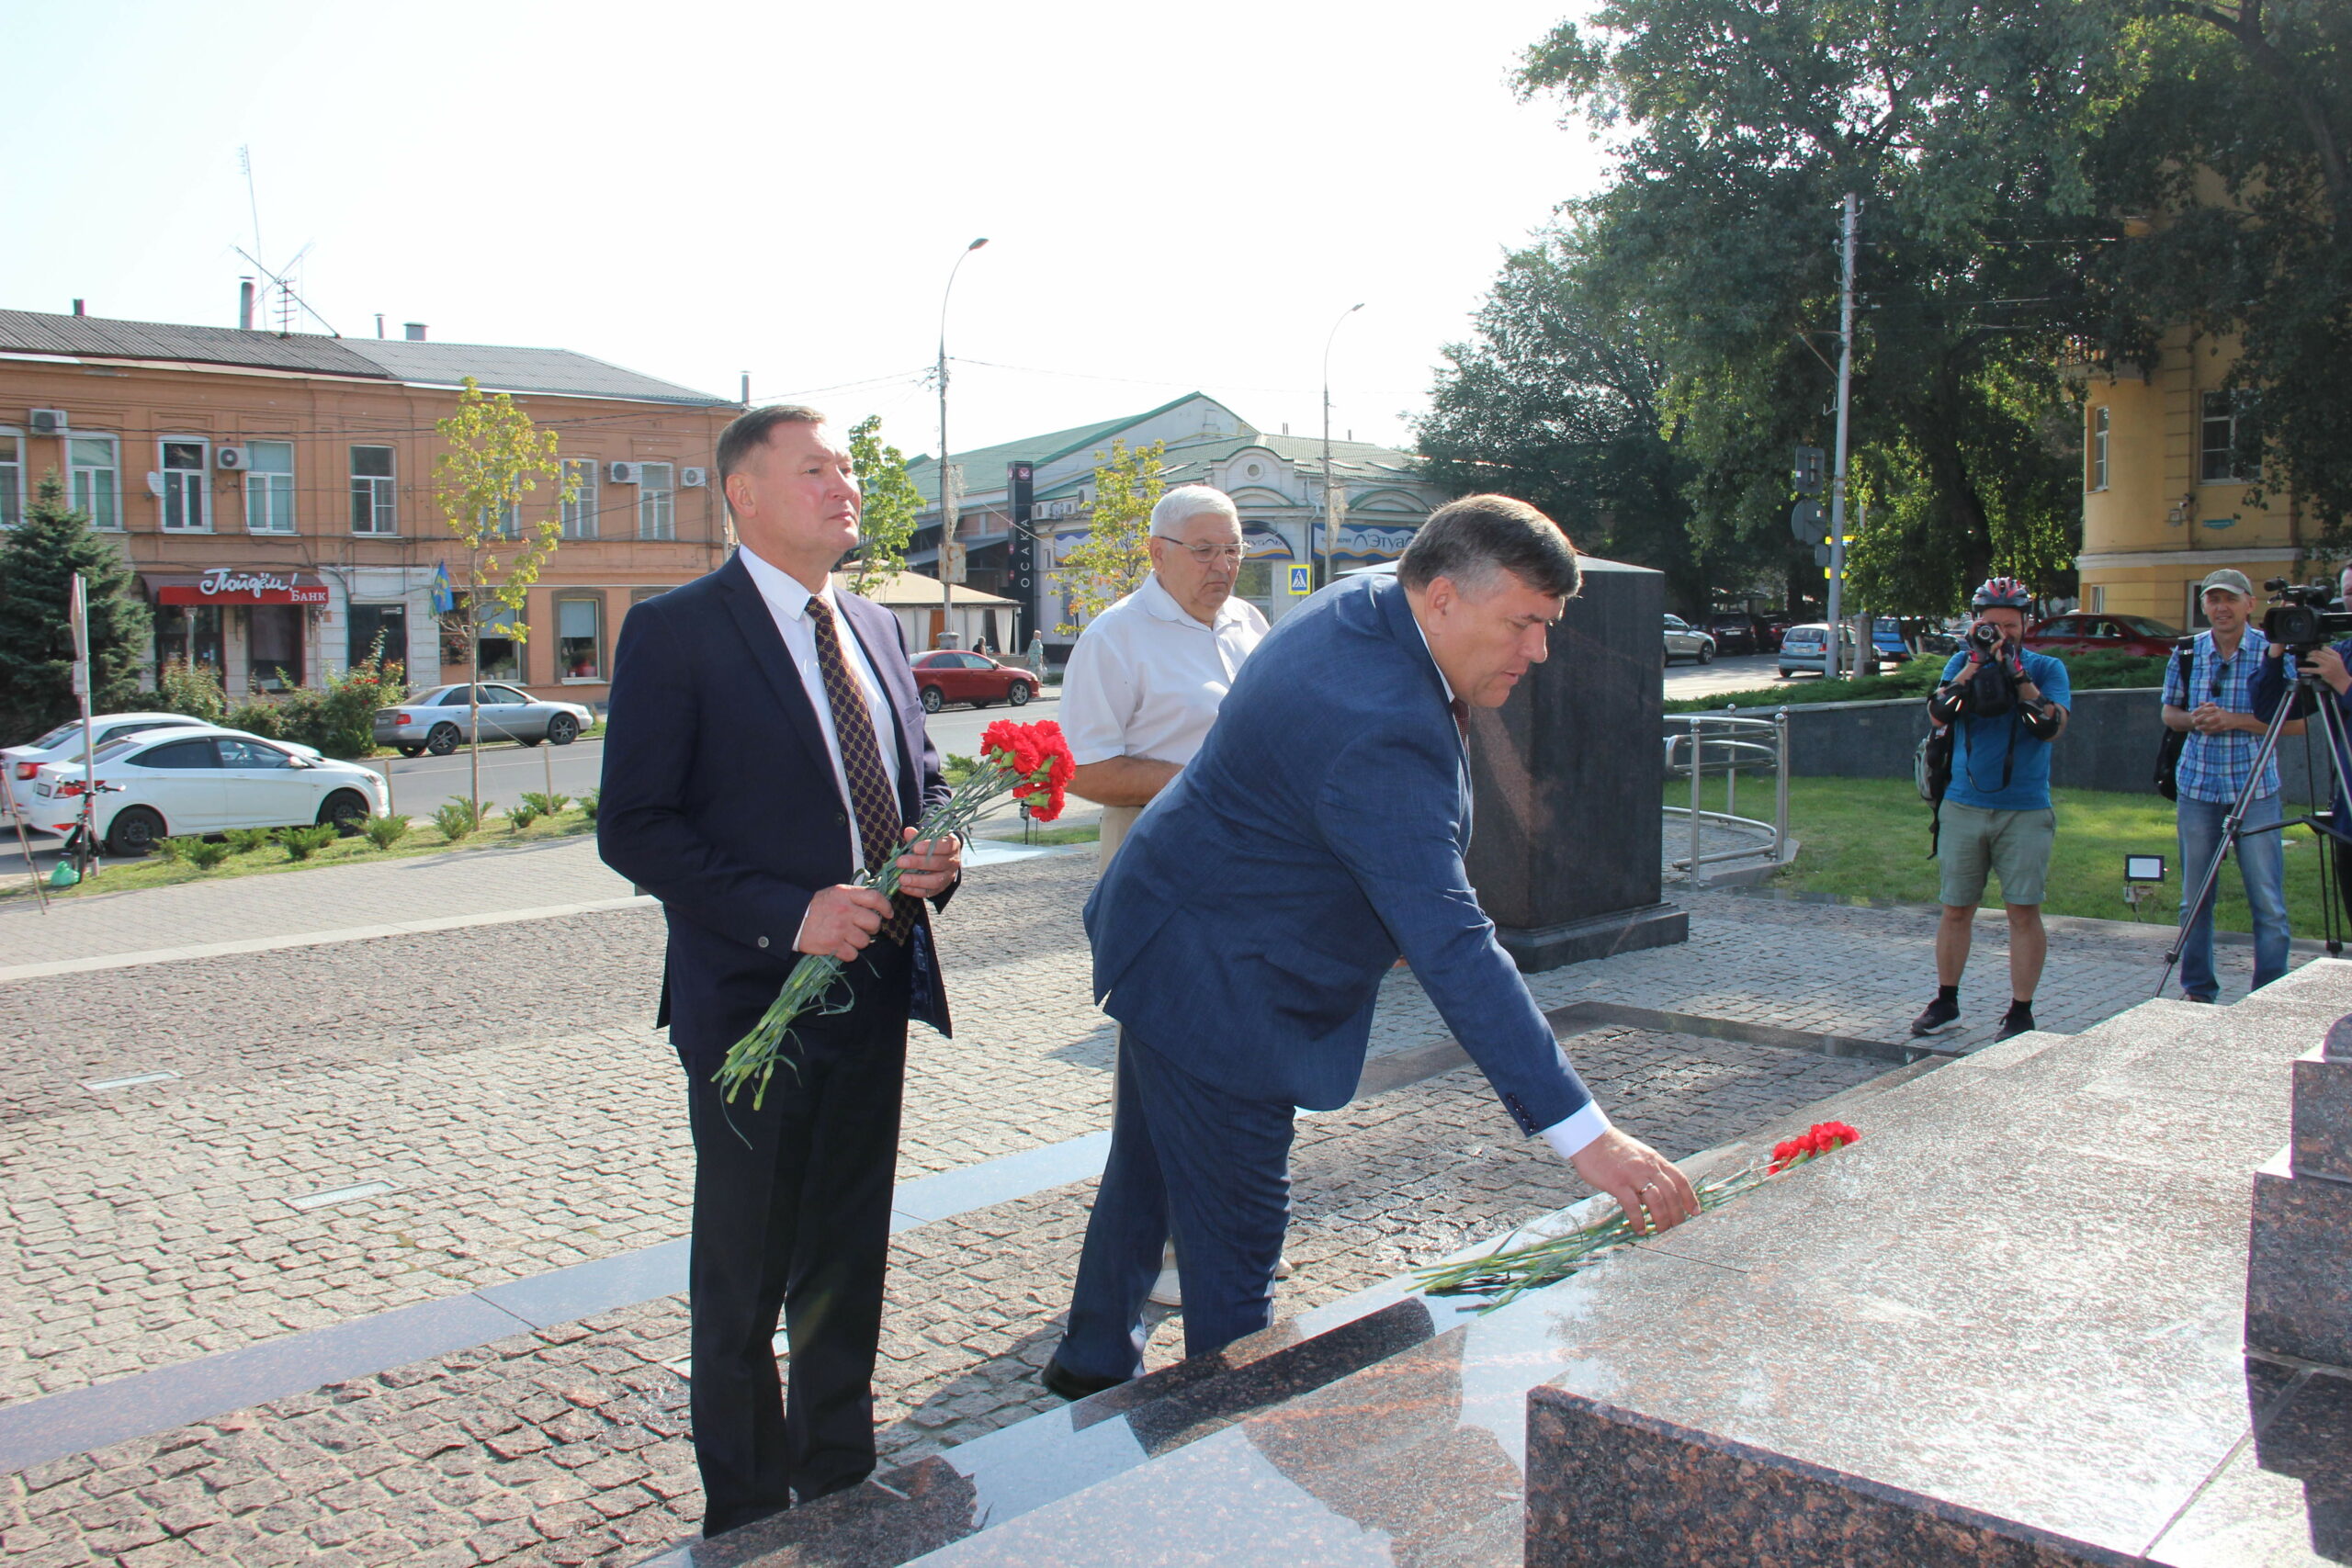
pixel 1931 771
pixel 2168 748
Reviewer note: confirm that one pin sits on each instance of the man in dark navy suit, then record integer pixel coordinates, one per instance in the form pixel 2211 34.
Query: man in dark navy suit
pixel 1242 932
pixel 766 742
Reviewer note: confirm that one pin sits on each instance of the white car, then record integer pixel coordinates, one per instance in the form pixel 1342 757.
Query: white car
pixel 64 744
pixel 205 780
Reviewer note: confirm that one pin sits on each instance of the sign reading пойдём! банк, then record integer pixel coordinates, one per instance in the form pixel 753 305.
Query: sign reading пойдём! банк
pixel 228 585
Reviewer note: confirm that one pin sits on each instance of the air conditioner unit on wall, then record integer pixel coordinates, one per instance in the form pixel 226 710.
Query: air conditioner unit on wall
pixel 230 457
pixel 625 473
pixel 50 422
pixel 693 479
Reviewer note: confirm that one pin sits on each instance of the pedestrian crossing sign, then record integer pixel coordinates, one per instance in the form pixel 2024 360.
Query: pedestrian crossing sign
pixel 1302 582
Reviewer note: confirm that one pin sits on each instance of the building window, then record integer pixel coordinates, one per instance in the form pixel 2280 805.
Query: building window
pixel 375 508
pixel 656 492
pixel 579 643
pixel 2226 425
pixel 580 512
pixel 510 521
pixel 97 483
pixel 274 647
pixel 188 633
pixel 2094 598
pixel 269 486
pixel 500 642
pixel 184 487
pixel 379 631
pixel 2099 448
pixel 12 481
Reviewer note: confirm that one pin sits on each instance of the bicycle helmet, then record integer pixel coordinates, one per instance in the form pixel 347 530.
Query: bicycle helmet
pixel 2002 593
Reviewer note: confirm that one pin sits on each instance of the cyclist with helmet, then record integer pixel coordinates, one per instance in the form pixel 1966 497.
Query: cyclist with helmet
pixel 2004 706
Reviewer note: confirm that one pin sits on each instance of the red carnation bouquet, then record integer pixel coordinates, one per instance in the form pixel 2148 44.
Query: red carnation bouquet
pixel 1503 1276
pixel 1030 761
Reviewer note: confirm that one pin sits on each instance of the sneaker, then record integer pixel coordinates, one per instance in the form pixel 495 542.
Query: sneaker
pixel 1939 1016
pixel 1166 1292
pixel 2018 1019
pixel 2193 997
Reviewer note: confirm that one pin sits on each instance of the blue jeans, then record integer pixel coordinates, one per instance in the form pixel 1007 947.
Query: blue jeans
pixel 1189 1160
pixel 2261 861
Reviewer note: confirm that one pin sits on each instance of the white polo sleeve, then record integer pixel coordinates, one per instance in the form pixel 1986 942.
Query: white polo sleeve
pixel 1098 695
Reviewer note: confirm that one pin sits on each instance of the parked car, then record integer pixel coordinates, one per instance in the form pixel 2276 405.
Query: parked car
pixel 949 676
pixel 1775 628
pixel 160 784
pixel 1736 634
pixel 434 721
pixel 2088 632
pixel 64 744
pixel 1806 647
pixel 1886 636
pixel 1684 640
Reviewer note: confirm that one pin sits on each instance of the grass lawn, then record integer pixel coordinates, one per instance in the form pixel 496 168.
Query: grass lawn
pixel 124 875
pixel 1867 838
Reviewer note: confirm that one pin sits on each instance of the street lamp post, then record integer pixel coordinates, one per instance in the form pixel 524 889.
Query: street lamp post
pixel 946 470
pixel 1328 543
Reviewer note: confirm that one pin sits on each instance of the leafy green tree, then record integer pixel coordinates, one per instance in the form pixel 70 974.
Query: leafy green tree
pixel 1113 558
pixel 38 561
pixel 2229 141
pixel 496 456
pixel 887 517
pixel 1959 124
pixel 1558 401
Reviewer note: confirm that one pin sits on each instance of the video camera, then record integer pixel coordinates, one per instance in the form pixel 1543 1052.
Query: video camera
pixel 2301 620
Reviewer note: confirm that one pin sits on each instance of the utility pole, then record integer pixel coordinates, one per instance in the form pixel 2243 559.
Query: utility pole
pixel 1837 480
pixel 947 469
pixel 1331 544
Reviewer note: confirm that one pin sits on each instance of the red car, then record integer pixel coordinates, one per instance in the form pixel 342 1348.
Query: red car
pixel 946 676
pixel 2088 631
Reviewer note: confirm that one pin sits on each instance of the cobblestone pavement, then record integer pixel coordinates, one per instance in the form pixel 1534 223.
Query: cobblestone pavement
pixel 507 1079
pixel 567 1446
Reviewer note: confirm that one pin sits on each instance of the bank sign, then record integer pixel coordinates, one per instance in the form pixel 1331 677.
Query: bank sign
pixel 227 585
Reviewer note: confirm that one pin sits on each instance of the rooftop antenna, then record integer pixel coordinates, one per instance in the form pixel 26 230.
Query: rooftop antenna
pixel 290 299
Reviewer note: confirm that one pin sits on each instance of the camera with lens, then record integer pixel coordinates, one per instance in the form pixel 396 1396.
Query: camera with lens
pixel 1984 636
pixel 2301 620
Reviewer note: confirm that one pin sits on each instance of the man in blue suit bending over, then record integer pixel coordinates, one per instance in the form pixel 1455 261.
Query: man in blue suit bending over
pixel 1243 930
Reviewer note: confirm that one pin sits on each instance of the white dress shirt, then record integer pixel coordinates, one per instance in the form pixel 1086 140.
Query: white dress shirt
pixel 1567 1138
pixel 788 603
pixel 1146 678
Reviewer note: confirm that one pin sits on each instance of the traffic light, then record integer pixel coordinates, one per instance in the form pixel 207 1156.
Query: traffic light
pixel 1805 473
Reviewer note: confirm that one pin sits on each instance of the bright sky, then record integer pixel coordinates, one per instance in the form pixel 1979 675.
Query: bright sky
pixel 1175 197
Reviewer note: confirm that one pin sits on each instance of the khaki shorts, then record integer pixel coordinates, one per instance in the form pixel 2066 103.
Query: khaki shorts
pixel 2013 845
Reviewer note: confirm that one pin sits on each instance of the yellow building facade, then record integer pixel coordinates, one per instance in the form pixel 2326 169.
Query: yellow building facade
pixel 2166 499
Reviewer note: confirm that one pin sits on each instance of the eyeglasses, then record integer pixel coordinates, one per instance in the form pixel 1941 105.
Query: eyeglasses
pixel 1209 554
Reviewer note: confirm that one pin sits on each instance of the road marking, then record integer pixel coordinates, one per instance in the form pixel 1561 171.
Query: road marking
pixel 340 1195
pixel 99 1086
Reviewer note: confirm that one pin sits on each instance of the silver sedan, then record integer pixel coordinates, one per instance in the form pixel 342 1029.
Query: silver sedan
pixel 435 721
pixel 1684 640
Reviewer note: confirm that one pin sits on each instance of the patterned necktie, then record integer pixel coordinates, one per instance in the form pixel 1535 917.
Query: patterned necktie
pixel 1461 717
pixel 870 795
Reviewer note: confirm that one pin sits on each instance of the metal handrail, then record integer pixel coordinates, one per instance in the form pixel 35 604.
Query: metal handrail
pixel 1714 740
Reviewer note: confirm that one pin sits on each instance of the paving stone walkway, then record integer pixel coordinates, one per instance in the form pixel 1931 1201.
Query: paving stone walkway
pixel 506 1080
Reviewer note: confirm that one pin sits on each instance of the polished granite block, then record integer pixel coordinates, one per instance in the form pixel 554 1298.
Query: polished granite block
pixel 2323 1116
pixel 2006 1327
pixel 2285 1499
pixel 2299 1271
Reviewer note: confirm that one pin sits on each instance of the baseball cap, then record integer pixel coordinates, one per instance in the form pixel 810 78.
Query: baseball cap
pixel 2234 580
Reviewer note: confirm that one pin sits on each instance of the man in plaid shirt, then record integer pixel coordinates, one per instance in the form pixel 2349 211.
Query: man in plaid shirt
pixel 2209 694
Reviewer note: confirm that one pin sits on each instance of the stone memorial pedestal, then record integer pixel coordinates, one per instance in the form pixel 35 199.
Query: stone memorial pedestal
pixel 1570 774
pixel 2299 1271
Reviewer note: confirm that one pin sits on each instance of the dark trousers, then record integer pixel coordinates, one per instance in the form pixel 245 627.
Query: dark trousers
pixel 792 1215
pixel 1189 1160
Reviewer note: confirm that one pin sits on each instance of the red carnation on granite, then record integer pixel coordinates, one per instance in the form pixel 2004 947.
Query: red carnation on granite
pixel 1032 760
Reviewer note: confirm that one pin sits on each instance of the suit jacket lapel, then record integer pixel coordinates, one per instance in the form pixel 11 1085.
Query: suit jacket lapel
pixel 1397 614
pixel 775 662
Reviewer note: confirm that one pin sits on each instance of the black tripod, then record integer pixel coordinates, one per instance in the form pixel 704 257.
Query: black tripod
pixel 2306 695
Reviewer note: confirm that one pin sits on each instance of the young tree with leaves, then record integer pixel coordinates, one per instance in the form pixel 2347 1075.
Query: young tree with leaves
pixel 38 561
pixel 1114 558
pixel 496 456
pixel 885 519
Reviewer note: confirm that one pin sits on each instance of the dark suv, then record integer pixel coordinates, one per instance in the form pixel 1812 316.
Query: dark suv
pixel 1738 634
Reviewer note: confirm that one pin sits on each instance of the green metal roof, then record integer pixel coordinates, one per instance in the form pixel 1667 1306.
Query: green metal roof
pixel 983 466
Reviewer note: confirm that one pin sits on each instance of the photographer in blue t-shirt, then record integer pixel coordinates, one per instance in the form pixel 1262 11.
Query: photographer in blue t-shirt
pixel 2005 705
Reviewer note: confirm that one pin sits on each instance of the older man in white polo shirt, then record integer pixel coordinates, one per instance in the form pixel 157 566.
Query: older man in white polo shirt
pixel 1143 684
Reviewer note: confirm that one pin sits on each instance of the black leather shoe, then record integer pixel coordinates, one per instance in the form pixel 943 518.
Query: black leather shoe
pixel 1074 1385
